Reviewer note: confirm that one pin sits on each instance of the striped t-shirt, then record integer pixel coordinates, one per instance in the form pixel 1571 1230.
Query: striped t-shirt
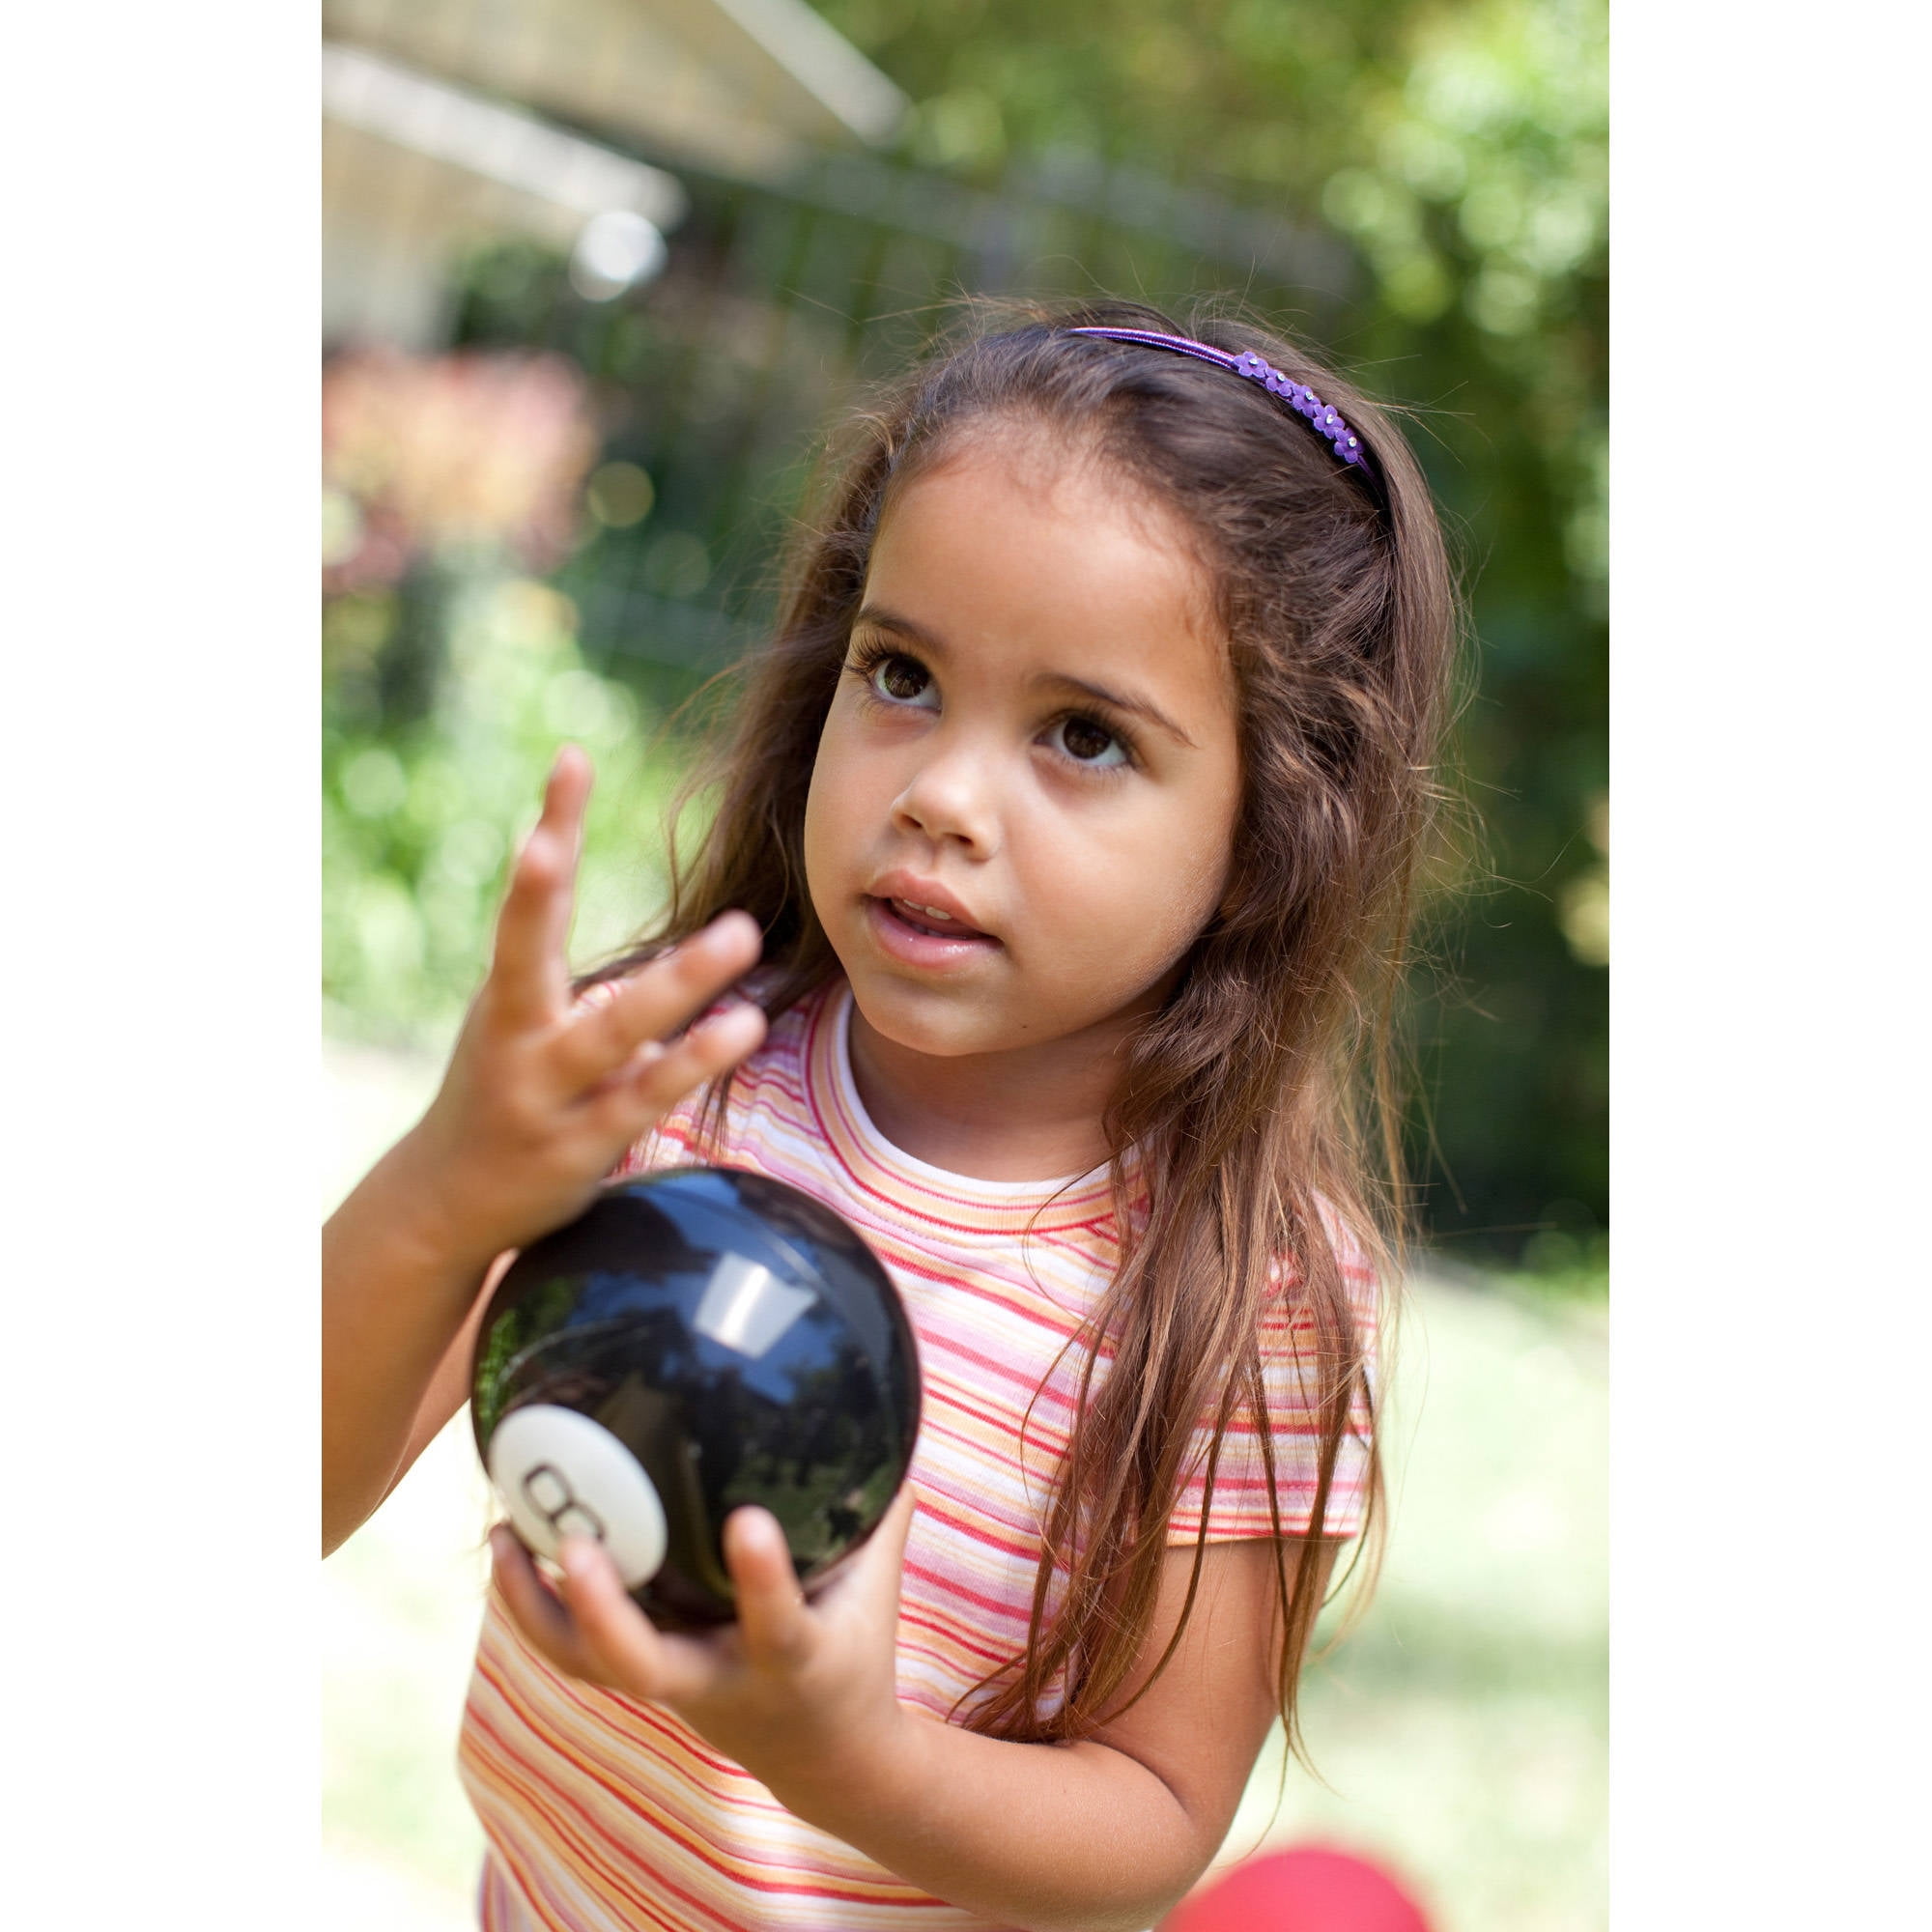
pixel 603 1814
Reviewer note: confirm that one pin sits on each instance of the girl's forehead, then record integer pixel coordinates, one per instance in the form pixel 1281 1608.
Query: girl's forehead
pixel 1062 473
pixel 1053 518
pixel 1015 557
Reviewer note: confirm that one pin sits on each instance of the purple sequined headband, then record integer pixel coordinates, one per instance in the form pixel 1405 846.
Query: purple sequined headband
pixel 1296 395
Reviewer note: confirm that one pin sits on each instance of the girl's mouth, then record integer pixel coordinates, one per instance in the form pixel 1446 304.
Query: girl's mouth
pixel 929 919
pixel 923 937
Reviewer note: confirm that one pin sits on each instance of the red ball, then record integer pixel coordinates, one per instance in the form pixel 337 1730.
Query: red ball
pixel 1308 1890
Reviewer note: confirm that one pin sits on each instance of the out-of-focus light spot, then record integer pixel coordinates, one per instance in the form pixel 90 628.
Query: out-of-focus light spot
pixel 341 527
pixel 1560 231
pixel 374 784
pixel 959 128
pixel 470 852
pixel 1503 302
pixel 620 495
pixel 1430 163
pixel 1491 213
pixel 677 565
pixel 531 613
pixel 1359 202
pixel 579 705
pixel 1583 912
pixel 388 932
pixel 615 250
pixel 1596 822
pixel 1463 89
pixel 1417 286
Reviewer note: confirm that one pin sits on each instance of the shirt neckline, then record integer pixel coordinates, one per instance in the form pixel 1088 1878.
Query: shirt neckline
pixel 931 1194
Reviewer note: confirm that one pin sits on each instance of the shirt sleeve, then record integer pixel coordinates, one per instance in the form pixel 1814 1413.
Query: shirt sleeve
pixel 1239 1505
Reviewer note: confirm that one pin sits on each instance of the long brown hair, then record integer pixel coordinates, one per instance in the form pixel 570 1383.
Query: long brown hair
pixel 1261 1099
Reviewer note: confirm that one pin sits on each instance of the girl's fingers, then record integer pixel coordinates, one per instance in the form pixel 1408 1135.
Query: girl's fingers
pixel 607 1033
pixel 622 1647
pixel 543 1620
pixel 894 1527
pixel 771 1614
pixel 530 980
pixel 658 1077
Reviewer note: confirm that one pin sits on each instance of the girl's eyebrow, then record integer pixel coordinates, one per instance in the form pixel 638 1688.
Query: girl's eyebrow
pixel 1134 708
pixel 1056 680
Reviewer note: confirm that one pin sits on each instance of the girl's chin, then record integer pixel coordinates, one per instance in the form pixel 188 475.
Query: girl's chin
pixel 940 1022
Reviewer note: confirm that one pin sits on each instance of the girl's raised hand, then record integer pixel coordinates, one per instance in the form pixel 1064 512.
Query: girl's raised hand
pixel 545 1089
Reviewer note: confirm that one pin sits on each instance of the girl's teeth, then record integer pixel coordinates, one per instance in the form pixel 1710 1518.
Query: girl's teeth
pixel 912 910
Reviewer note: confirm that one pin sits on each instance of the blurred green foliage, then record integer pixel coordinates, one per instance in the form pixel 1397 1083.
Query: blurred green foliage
pixel 420 816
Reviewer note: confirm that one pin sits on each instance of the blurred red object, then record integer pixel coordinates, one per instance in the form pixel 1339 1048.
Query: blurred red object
pixel 1308 1890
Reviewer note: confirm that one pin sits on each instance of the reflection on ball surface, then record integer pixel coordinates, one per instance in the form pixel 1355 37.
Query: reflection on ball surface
pixel 697 1339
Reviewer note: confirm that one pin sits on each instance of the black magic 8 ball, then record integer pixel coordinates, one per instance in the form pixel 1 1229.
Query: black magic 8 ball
pixel 697 1339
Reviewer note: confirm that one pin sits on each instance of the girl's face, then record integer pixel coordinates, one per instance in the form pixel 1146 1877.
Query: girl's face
pixel 1025 792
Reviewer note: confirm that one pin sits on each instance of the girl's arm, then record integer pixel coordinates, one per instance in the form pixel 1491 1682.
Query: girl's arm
pixel 1081 1837
pixel 1100 1834
pixel 543 1094
pixel 395 1302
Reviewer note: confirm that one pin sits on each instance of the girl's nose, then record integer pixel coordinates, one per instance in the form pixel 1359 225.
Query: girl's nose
pixel 951 796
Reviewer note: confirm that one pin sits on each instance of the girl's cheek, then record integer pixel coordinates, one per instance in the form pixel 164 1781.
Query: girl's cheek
pixel 816 831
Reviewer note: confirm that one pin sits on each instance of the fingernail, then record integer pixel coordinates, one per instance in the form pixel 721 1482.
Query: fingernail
pixel 758 1532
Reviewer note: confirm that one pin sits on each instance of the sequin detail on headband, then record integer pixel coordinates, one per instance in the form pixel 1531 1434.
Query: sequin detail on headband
pixel 1298 397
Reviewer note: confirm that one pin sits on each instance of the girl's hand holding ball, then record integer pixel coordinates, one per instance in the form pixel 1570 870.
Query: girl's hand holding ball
pixel 802 1695
pixel 544 1091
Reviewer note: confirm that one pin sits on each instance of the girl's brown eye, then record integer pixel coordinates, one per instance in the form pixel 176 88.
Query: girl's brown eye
pixel 1084 740
pixel 901 678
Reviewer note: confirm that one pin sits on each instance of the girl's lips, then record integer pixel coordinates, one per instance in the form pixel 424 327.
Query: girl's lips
pixel 921 945
pixel 935 920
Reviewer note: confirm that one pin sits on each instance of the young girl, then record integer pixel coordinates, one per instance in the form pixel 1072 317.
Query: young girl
pixel 1073 814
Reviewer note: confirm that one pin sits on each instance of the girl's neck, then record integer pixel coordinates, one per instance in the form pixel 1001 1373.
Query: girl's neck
pixel 1033 1113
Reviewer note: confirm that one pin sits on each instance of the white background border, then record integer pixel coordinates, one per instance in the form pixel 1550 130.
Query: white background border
pixel 1769 729
pixel 162 1062
pixel 1770 1059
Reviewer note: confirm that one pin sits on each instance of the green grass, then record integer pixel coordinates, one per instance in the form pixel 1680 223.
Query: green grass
pixel 1462 1728
pixel 1460 1731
